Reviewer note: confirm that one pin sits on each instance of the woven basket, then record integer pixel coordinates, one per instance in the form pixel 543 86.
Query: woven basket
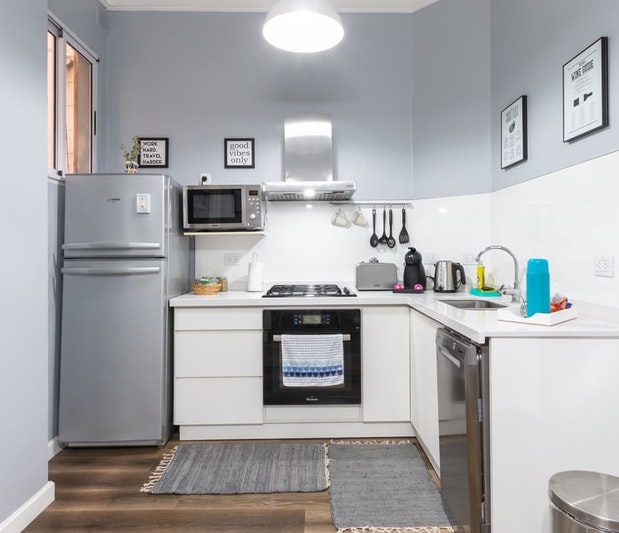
pixel 203 290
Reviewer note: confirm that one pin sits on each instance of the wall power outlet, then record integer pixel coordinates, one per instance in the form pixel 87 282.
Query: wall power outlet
pixel 232 258
pixel 604 266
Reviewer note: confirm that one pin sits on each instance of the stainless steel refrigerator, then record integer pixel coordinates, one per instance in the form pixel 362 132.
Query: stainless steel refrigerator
pixel 124 257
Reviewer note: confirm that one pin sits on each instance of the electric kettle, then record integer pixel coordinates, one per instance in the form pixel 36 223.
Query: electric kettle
pixel 448 276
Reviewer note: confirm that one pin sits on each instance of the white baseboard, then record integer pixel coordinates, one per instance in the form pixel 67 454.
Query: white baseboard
pixel 20 519
pixel 53 447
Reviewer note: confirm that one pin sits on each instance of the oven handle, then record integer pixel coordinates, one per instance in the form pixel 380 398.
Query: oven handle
pixel 278 338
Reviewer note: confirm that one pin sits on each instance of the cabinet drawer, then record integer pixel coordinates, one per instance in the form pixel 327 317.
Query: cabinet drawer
pixel 217 353
pixel 204 401
pixel 217 319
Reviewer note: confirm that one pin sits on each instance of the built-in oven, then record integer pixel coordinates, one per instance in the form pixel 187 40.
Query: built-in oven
pixel 311 356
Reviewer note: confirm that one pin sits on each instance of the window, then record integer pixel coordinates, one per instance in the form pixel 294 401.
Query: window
pixel 71 102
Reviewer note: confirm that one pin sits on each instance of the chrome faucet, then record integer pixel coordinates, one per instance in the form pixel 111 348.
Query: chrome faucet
pixel 515 291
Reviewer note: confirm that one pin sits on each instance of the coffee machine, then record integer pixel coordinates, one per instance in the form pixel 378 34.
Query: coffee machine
pixel 414 273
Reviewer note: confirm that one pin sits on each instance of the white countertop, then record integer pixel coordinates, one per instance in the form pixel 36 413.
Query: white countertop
pixel 474 324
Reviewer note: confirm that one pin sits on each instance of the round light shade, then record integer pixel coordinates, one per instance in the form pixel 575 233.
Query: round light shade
pixel 303 26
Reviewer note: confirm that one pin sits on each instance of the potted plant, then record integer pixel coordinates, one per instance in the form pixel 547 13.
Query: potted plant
pixel 130 155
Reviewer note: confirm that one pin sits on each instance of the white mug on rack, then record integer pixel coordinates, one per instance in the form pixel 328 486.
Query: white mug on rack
pixel 358 218
pixel 339 219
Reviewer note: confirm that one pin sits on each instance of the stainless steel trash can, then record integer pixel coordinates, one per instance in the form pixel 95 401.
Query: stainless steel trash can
pixel 584 502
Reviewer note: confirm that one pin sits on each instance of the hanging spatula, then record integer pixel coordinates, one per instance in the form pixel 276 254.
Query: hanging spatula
pixel 403 237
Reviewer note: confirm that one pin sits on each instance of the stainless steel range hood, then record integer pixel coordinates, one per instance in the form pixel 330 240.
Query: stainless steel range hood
pixel 308 163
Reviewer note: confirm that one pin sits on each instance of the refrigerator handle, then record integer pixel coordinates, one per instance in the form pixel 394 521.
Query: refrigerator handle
pixel 111 246
pixel 90 271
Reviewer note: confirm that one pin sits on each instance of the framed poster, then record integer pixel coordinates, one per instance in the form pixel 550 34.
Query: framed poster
pixel 514 132
pixel 585 91
pixel 239 153
pixel 153 152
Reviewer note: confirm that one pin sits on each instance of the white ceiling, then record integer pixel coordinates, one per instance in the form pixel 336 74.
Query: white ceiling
pixel 351 6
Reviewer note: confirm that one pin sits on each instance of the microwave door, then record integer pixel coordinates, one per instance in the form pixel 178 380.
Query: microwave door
pixel 214 209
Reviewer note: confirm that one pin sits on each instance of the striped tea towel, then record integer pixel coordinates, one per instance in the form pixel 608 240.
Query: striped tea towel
pixel 312 360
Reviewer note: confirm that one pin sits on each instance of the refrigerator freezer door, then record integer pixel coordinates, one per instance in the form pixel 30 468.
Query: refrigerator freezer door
pixel 115 365
pixel 117 215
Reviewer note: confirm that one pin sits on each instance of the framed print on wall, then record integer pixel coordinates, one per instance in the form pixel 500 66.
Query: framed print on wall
pixel 153 152
pixel 585 91
pixel 514 132
pixel 239 153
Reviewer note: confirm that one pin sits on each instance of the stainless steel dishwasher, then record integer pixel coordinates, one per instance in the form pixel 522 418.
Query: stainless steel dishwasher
pixel 462 375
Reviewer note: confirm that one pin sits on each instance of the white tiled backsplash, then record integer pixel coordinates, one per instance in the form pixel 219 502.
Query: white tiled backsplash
pixel 567 217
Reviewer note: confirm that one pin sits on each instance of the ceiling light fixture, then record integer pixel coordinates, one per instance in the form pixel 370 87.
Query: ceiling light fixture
pixel 303 26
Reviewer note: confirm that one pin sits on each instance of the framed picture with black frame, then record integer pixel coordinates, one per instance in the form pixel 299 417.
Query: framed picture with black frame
pixel 514 132
pixel 585 91
pixel 239 153
pixel 154 152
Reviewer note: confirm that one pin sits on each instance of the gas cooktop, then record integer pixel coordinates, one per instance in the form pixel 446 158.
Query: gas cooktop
pixel 325 289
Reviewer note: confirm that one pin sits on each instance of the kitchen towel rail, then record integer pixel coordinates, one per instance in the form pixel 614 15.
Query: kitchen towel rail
pixel 278 338
pixel 374 203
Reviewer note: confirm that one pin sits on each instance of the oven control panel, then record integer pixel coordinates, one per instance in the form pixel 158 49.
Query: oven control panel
pixel 311 319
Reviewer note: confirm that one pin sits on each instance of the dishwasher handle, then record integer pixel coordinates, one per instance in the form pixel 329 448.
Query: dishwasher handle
pixel 447 355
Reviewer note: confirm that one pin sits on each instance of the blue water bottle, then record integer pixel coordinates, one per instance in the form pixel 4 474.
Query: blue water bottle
pixel 538 287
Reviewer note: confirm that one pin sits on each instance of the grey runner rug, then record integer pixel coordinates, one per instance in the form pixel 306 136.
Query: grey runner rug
pixel 241 468
pixel 383 487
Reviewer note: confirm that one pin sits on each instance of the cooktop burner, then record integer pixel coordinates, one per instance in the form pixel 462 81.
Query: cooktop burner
pixel 326 289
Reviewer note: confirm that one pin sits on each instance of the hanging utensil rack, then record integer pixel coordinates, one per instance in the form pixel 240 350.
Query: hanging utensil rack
pixel 375 203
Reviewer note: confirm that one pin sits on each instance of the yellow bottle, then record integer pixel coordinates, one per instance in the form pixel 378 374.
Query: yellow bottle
pixel 481 277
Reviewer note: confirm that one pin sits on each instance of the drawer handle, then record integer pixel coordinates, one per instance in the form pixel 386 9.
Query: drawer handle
pixel 278 338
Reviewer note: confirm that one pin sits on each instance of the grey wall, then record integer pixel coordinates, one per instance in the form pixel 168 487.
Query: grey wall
pixel 531 40
pixel 200 77
pixel 451 99
pixel 473 58
pixel 23 269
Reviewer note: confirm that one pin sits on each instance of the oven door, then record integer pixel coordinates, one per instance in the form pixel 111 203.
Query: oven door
pixel 312 384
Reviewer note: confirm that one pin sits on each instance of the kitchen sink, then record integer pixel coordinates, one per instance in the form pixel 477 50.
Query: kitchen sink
pixel 478 305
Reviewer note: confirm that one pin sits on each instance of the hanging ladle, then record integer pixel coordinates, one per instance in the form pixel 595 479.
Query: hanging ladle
pixel 391 240
pixel 374 237
pixel 383 238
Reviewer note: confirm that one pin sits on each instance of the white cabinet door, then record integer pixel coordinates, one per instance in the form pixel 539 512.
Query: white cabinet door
pixel 553 407
pixel 385 364
pixel 424 394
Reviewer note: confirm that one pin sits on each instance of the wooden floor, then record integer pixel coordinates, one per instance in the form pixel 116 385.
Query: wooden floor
pixel 99 490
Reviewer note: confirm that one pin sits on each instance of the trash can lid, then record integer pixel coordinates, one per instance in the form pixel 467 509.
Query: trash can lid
pixel 590 497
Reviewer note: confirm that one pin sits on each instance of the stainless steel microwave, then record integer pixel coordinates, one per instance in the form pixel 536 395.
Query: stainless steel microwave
pixel 223 208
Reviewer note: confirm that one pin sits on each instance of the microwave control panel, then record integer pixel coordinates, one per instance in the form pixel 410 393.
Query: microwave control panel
pixel 254 207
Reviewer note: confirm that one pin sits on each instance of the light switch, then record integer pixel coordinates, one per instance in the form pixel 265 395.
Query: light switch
pixel 143 203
